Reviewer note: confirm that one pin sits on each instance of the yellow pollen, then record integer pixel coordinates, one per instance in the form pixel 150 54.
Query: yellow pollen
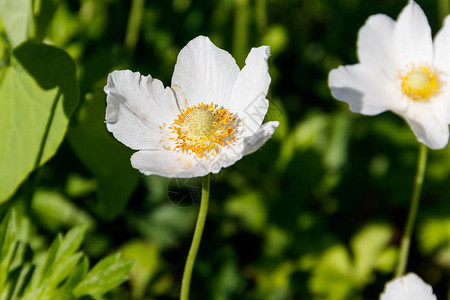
pixel 200 122
pixel 420 83
pixel 203 128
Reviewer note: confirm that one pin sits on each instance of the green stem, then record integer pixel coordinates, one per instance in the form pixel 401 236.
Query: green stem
pixel 134 24
pixel 261 17
pixel 443 8
pixel 185 283
pixel 415 197
pixel 240 31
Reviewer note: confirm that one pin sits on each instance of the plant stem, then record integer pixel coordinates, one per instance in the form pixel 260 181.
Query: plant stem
pixel 261 17
pixel 134 24
pixel 185 283
pixel 240 31
pixel 414 205
pixel 443 9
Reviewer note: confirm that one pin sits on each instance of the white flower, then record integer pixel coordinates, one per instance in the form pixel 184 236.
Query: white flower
pixel 403 70
pixel 408 287
pixel 207 120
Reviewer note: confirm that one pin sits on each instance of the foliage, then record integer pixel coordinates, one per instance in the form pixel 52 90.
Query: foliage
pixel 61 273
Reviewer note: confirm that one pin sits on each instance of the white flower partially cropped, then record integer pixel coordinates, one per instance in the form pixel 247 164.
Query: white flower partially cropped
pixel 403 70
pixel 408 287
pixel 208 119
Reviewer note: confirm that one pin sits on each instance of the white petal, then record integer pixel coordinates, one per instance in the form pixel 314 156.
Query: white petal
pixel 367 91
pixel 375 47
pixel 413 36
pixel 136 107
pixel 181 165
pixel 442 48
pixel 203 73
pixel 166 163
pixel 227 156
pixel 408 287
pixel 427 125
pixel 248 98
pixel 254 142
pixel 441 106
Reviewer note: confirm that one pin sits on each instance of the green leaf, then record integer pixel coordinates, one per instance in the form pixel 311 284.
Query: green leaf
pixel 387 260
pixel 17 18
pixel 332 277
pixel 338 276
pixel 43 16
pixel 71 242
pixel 23 254
pixel 77 275
pixel 23 278
pixel 106 158
pixel 249 208
pixel 106 275
pixel 62 269
pixel 50 259
pixel 54 210
pixel 7 230
pixel 60 294
pixel 8 244
pixel 66 259
pixel 433 233
pixel 148 259
pixel 38 93
pixel 60 260
pixel 367 247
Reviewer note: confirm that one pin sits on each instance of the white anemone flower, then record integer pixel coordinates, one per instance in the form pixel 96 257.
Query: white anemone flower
pixel 408 287
pixel 403 70
pixel 208 119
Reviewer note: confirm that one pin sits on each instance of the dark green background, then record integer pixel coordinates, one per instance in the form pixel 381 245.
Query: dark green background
pixel 276 215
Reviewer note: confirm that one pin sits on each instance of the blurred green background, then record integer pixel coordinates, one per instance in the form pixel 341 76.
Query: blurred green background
pixel 317 213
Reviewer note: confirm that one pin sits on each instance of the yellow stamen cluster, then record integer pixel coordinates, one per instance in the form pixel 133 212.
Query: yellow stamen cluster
pixel 202 128
pixel 420 83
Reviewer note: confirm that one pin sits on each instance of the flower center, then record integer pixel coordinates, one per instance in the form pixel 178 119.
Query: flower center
pixel 420 83
pixel 200 122
pixel 203 128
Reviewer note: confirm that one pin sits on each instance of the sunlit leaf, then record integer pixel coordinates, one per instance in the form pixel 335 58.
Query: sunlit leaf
pixel 367 246
pixel 55 211
pixel 38 93
pixel 249 208
pixel 78 186
pixel 107 274
pixel 78 274
pixel 70 243
pixel 16 18
pixel 274 283
pixel 332 278
pixel 340 274
pixel 58 271
pixel 63 268
pixel 62 295
pixel 147 259
pixel 433 233
pixel 50 261
pixel 21 280
pixel 387 260
pixel 7 244
pixel 277 37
